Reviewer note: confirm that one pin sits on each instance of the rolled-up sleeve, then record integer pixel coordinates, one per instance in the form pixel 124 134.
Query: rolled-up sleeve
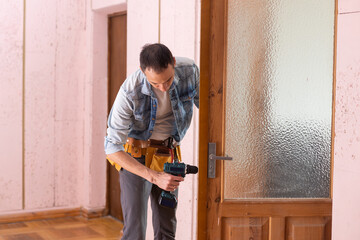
pixel 119 123
pixel 197 85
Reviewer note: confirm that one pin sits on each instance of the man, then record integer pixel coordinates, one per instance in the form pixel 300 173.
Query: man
pixel 149 118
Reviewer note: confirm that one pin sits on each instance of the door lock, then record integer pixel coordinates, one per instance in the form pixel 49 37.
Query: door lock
pixel 211 160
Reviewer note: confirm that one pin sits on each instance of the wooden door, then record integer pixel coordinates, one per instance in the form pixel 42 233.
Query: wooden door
pixel 258 218
pixel 117 75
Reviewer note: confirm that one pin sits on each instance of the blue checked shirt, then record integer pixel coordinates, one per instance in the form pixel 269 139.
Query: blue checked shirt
pixel 134 111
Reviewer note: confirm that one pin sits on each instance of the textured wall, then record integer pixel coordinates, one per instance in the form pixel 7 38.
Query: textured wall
pixel 143 27
pixel 40 70
pixel 58 85
pixel 108 6
pixel 346 210
pixel 54 78
pixel 11 90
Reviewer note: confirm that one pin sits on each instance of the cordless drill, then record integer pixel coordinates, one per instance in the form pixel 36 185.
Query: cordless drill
pixel 167 199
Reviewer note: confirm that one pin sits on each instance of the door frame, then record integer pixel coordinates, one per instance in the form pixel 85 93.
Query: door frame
pixel 212 66
pixel 113 204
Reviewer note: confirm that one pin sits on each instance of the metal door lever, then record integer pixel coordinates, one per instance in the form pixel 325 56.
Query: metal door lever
pixel 211 160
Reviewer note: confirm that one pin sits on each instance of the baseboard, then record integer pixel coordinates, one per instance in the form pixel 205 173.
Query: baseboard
pixel 94 213
pixel 28 215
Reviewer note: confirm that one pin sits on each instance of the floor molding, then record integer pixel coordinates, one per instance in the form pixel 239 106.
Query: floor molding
pixel 94 213
pixel 51 213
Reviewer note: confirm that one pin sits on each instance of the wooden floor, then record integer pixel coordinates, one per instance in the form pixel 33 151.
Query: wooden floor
pixel 69 228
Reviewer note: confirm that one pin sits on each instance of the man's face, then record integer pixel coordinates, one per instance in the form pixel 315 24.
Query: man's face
pixel 161 81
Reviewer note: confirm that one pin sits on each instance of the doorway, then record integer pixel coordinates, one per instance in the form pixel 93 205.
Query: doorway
pixel 263 76
pixel 117 75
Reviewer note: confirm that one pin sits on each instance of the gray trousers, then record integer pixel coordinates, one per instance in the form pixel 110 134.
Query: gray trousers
pixel 134 196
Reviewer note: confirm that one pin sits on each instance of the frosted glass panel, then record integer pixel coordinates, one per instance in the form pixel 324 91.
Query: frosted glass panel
pixel 279 98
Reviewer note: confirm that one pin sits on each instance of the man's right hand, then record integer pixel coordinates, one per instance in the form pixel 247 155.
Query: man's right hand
pixel 165 181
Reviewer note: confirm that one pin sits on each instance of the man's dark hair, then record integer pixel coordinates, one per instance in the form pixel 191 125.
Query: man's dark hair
pixel 156 57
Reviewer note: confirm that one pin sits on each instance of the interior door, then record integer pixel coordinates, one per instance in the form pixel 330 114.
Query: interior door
pixel 266 73
pixel 117 75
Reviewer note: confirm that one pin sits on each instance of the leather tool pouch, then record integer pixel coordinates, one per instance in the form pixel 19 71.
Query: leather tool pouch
pixel 165 152
pixel 136 148
pixel 156 154
pixel 159 158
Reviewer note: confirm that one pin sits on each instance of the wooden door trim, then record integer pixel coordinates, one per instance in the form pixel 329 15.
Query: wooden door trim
pixel 336 12
pixel 117 14
pixel 278 200
pixel 211 92
pixel 277 209
pixel 203 117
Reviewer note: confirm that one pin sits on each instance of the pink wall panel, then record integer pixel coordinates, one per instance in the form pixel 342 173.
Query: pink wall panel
pixel 346 210
pixel 109 6
pixel 11 63
pixel 40 69
pixel 56 68
pixel 65 104
pixel 71 52
pixel 178 28
pixel 94 166
pixel 349 6
pixel 143 27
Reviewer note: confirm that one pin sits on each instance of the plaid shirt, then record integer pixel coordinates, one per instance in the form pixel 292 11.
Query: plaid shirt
pixel 134 111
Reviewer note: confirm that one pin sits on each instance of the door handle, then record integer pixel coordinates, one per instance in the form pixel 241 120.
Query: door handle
pixel 212 160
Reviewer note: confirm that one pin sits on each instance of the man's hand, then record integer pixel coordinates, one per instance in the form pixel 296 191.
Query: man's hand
pixel 166 181
pixel 163 180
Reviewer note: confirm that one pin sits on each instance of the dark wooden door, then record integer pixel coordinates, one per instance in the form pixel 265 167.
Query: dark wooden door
pixel 117 75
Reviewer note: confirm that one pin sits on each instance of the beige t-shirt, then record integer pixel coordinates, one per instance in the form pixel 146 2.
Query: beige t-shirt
pixel 165 120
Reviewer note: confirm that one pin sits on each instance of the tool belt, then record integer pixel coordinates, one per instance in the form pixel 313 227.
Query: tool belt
pixel 156 152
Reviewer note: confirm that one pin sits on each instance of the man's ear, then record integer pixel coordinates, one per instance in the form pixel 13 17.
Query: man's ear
pixel 174 61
